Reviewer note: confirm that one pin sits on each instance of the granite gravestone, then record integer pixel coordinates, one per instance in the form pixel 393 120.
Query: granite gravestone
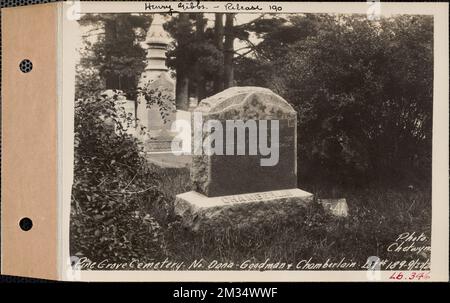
pixel 233 185
pixel 262 112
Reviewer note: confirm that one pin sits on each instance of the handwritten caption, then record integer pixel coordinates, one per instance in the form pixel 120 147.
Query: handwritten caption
pixel 411 276
pixel 193 6
pixel 407 256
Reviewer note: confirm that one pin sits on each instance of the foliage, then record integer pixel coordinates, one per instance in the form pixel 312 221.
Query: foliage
pixel 198 52
pixel 190 48
pixel 113 49
pixel 111 180
pixel 88 81
pixel 362 90
pixel 151 95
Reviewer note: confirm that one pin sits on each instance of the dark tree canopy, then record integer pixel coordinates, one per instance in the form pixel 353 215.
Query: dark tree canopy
pixel 362 89
pixel 116 55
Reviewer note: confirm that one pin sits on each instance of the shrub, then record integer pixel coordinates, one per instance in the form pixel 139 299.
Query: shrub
pixel 111 181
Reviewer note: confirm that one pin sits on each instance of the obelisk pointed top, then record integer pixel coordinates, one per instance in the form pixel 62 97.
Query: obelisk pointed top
pixel 156 33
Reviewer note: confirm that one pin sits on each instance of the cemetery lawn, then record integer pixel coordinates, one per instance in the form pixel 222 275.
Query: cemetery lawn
pixel 377 216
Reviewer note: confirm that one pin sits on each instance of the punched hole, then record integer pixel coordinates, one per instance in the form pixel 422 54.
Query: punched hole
pixel 26 224
pixel 26 66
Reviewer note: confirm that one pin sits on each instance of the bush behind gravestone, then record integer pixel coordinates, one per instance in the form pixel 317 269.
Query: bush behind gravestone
pixel 363 91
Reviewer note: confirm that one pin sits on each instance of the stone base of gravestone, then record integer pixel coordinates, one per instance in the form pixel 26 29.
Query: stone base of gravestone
pixel 165 141
pixel 162 144
pixel 155 146
pixel 197 210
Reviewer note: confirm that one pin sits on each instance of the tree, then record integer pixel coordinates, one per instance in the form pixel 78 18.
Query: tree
pixel 182 34
pixel 364 112
pixel 196 55
pixel 219 35
pixel 229 51
pixel 116 54
pixel 199 72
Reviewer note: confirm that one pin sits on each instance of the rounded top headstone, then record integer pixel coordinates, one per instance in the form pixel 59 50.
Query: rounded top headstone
pixel 246 103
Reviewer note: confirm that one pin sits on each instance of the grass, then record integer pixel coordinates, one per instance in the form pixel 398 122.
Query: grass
pixel 377 217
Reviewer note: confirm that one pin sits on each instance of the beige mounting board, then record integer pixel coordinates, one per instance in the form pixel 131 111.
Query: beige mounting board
pixel 29 141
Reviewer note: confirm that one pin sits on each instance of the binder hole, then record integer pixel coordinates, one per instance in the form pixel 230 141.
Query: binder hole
pixel 26 224
pixel 26 66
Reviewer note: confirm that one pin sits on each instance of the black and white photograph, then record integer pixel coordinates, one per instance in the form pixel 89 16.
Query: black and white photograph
pixel 248 139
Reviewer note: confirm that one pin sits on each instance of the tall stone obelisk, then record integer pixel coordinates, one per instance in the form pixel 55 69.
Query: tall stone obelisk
pixel 156 76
